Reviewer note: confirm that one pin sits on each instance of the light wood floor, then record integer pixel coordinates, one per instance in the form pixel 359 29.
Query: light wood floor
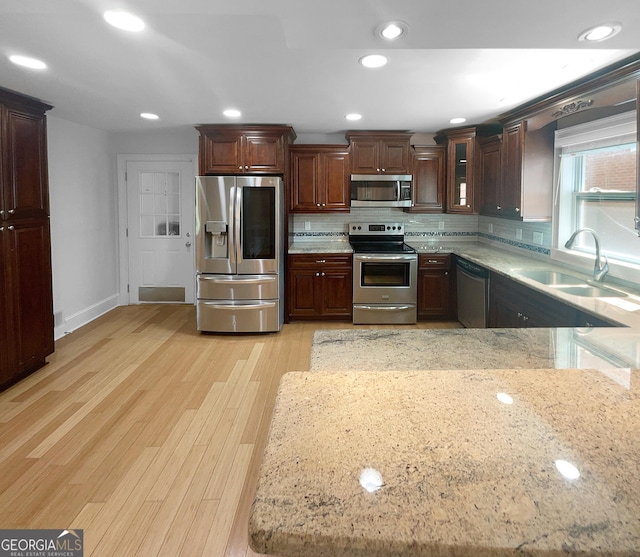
pixel 145 433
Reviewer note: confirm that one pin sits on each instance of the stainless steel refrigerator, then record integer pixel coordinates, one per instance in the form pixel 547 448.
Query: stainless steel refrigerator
pixel 239 253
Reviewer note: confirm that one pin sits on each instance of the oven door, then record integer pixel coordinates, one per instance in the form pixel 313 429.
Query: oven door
pixel 385 278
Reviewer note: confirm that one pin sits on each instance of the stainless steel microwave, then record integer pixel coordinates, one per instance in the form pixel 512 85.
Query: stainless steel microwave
pixel 380 190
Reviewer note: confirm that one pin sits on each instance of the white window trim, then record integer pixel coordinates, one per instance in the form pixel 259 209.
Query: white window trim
pixel 613 130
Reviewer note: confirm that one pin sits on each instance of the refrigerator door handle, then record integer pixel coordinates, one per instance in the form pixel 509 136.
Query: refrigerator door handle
pixel 237 220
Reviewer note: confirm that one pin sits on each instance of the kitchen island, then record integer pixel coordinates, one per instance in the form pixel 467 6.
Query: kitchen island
pixel 466 461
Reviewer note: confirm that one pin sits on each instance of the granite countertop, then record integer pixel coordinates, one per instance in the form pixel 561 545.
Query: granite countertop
pixel 451 463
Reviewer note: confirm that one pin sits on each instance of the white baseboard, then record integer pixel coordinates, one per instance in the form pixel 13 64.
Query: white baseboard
pixel 82 317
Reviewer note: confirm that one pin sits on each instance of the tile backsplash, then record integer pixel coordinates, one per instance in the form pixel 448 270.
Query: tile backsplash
pixel 437 228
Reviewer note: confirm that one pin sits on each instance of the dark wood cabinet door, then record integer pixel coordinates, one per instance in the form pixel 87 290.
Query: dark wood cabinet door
pixel 435 287
pixel 6 330
pixel 335 179
pixel 303 296
pixel 337 288
pixel 263 153
pixel 513 150
pixel 490 174
pixel 365 156
pixel 221 153
pixel 29 264
pixel 25 156
pixel 394 157
pixel 428 170
pixel 305 189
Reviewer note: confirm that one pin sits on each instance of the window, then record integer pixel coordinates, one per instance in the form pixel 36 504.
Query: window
pixel 596 188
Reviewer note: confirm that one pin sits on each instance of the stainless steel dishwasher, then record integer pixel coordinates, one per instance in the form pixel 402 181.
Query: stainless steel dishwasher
pixel 473 294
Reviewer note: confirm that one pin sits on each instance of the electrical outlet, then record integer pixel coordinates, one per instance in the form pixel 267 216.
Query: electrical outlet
pixel 441 225
pixel 307 225
pixel 490 228
pixel 538 238
pixel 519 234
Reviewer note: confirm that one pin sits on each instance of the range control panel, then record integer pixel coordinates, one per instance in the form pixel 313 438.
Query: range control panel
pixel 376 228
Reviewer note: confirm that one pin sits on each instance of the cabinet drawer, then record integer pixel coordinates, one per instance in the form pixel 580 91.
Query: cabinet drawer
pixel 319 260
pixel 431 261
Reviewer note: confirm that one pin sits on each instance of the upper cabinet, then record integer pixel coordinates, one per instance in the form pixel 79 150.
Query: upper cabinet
pixel 320 179
pixel 515 173
pixel 463 193
pixel 231 149
pixel 428 170
pixel 380 152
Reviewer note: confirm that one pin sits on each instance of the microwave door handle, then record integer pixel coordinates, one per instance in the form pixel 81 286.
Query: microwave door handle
pixel 397 189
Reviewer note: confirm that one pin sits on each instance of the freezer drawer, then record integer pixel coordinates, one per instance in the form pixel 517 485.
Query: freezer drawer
pixel 248 316
pixel 238 287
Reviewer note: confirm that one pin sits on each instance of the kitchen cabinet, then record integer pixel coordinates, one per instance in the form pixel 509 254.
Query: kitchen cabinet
pixel 320 178
pixel 513 304
pixel 26 303
pixel 523 188
pixel 380 153
pixel 232 149
pixel 320 287
pixel 428 170
pixel 436 287
pixel 463 193
pixel 490 174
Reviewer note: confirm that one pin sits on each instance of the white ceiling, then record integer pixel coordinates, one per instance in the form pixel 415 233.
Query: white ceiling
pixel 296 62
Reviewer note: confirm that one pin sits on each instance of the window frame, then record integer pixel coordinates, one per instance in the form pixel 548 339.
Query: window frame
pixel 613 130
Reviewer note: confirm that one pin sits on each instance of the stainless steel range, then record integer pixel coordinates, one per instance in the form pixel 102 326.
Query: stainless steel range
pixel 385 274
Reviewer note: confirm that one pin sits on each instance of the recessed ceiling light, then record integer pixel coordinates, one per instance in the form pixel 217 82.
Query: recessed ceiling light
pixel 353 116
pixel 392 30
pixel 600 32
pixel 149 116
pixel 124 20
pixel 457 120
pixel 373 61
pixel 27 62
pixel 232 113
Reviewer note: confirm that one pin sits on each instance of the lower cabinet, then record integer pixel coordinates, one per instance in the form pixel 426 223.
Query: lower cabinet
pixel 320 286
pixel 512 304
pixel 436 287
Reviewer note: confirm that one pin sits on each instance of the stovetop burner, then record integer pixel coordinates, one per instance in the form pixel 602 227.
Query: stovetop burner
pixel 378 238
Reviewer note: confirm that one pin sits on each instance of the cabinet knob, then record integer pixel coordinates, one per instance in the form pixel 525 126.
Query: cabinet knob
pixel 1 212
pixel 517 209
pixel 321 261
pixel 11 228
pixel 636 219
pixel 384 170
pixel 317 274
pixel 498 207
pixel 240 167
pixel 318 205
pixel 12 211
pixel 322 274
pixel 246 167
pixel 1 228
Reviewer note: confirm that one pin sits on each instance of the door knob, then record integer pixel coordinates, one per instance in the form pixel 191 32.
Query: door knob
pixel 188 244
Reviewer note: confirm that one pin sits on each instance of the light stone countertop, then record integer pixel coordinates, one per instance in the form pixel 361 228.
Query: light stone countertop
pixel 461 471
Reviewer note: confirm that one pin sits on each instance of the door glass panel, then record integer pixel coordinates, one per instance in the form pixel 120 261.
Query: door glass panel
pixel 159 204
pixel 258 223
pixel 385 274
pixel 460 173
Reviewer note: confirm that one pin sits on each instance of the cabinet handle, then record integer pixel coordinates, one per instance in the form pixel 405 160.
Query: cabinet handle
pixel 321 261
pixel 432 261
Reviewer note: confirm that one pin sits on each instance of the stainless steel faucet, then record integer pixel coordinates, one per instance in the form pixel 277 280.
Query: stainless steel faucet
pixel 599 269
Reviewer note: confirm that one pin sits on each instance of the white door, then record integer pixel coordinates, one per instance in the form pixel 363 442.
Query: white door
pixel 161 205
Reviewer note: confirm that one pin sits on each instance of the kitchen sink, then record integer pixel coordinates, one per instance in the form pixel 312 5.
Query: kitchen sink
pixel 590 291
pixel 552 277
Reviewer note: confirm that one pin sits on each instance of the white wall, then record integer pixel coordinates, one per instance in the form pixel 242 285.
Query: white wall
pixel 83 198
pixel 174 141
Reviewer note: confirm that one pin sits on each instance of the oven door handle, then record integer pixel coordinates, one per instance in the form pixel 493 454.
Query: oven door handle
pixel 383 257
